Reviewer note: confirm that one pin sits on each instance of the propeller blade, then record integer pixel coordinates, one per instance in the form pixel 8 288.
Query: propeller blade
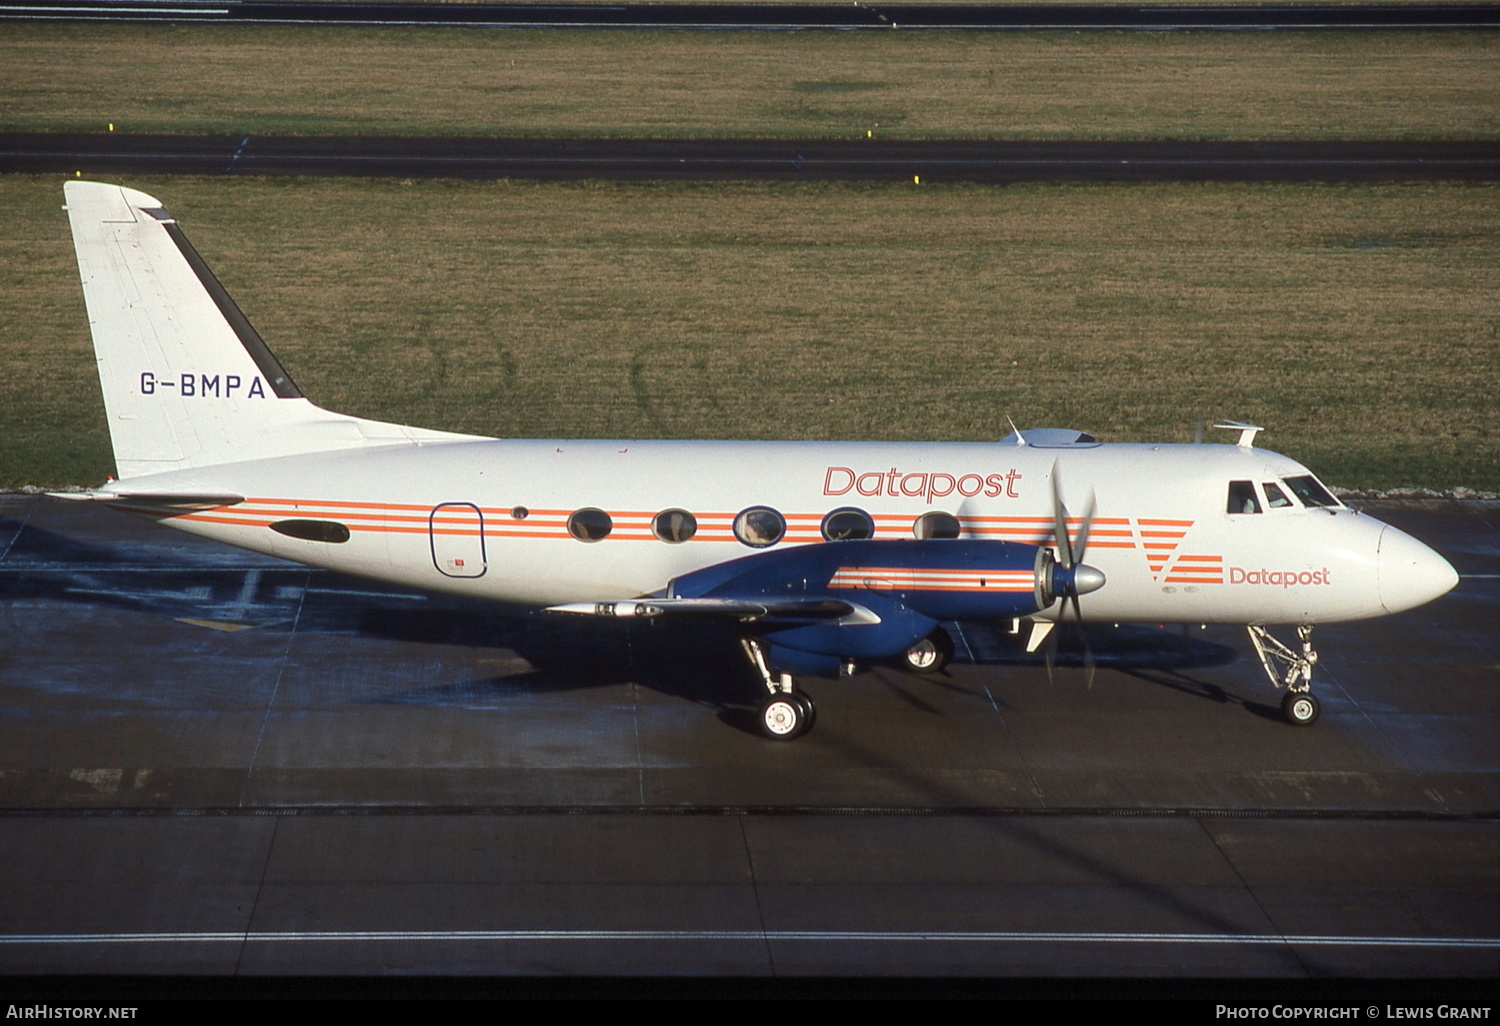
pixel 1081 545
pixel 1070 554
pixel 1060 522
pixel 965 515
pixel 1050 649
pixel 1088 651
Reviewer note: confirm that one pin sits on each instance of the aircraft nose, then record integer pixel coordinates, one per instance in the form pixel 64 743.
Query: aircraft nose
pixel 1410 573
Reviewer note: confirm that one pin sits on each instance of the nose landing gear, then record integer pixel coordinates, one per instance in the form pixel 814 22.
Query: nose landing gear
pixel 1300 708
pixel 1286 668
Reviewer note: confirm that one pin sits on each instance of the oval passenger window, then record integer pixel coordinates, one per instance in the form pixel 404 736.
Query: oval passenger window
pixel 936 525
pixel 848 524
pixel 759 526
pixel 674 525
pixel 590 525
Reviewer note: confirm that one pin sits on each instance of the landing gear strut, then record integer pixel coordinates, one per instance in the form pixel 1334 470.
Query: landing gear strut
pixel 1292 670
pixel 787 714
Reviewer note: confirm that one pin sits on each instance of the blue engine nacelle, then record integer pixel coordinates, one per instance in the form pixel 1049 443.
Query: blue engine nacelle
pixel 897 591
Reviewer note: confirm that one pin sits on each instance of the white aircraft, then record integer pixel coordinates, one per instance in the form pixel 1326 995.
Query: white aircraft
pixel 826 554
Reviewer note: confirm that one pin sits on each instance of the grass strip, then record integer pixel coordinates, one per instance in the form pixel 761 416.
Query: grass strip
pixel 323 80
pixel 1357 323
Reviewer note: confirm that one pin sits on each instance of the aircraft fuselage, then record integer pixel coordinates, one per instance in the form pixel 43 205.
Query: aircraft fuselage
pixel 491 518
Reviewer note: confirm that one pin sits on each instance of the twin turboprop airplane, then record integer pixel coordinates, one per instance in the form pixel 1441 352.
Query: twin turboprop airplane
pixel 827 555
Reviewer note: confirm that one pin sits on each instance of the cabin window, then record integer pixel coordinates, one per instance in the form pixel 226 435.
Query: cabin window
pixel 936 525
pixel 590 525
pixel 519 513
pixel 759 527
pixel 674 525
pixel 1242 498
pixel 848 524
pixel 1310 491
pixel 1275 497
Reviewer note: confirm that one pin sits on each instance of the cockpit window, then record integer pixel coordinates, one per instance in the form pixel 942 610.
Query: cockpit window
pixel 1310 491
pixel 1242 498
pixel 1275 497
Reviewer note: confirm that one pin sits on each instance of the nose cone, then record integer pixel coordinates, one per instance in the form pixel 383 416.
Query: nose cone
pixel 1410 573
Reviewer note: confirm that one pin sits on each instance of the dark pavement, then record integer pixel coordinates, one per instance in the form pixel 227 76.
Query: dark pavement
pixel 214 762
pixel 844 17
pixel 788 160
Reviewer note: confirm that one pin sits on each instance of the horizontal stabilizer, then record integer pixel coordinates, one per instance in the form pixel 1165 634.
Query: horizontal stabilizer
pixel 156 505
pixel 185 500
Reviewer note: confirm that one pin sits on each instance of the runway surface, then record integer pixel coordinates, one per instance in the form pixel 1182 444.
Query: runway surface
pixel 791 160
pixel 216 762
pixel 846 16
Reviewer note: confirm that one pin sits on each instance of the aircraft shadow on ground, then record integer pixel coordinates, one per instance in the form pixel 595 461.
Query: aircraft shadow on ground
pixel 697 660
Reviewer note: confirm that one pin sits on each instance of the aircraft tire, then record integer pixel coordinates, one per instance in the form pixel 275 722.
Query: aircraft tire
pixel 810 711
pixel 784 716
pixel 1300 708
pixel 930 655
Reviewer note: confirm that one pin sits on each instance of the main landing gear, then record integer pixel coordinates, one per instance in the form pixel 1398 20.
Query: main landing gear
pixel 931 654
pixel 1289 669
pixel 787 714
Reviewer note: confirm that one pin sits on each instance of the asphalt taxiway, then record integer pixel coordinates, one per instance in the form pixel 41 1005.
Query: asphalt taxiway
pixel 933 161
pixel 215 762
pixel 846 16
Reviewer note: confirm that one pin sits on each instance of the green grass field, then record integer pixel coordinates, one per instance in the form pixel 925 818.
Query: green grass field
pixel 1358 324
pixel 1053 85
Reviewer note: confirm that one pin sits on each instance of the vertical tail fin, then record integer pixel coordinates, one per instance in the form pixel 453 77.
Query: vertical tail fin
pixel 187 381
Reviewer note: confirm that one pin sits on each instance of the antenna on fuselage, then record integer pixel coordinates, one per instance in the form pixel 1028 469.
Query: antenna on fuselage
pixel 1247 432
pixel 1015 431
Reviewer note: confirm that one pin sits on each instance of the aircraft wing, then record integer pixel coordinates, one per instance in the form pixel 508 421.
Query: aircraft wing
pixel 852 583
pixel 810 608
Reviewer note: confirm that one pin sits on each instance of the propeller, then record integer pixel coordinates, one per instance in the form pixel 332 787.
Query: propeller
pixel 965 513
pixel 1072 577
